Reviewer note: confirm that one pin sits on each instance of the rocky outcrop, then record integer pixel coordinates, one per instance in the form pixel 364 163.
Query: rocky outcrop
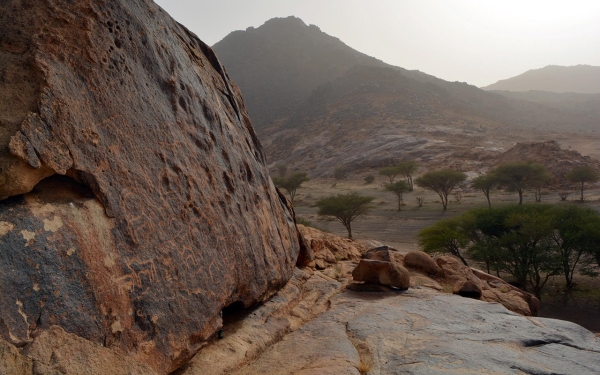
pixel 12 362
pixel 492 289
pixel 383 273
pixel 422 262
pixel 305 296
pixel 55 351
pixel 558 161
pixel 425 332
pixel 159 212
pixel 328 249
pixel 313 327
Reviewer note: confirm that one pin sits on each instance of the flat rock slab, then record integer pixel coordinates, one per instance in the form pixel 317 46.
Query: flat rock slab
pixel 423 332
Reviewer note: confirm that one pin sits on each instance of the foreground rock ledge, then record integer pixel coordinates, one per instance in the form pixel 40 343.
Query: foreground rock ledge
pixel 167 214
pixel 427 333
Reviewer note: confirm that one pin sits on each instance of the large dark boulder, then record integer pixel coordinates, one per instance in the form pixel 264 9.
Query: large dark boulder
pixel 157 211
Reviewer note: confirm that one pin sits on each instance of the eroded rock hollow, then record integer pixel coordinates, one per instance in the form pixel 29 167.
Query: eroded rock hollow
pixel 136 201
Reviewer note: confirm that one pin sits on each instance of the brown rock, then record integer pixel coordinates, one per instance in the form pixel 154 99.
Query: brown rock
pixel 174 216
pixel 422 262
pixel 467 289
pixel 384 273
pixel 55 351
pixel 384 253
pixel 510 296
pixel 493 289
pixel 12 362
pixel 330 249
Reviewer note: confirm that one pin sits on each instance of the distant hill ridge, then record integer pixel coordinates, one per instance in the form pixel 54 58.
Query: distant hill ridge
pixel 316 103
pixel 278 64
pixel 584 79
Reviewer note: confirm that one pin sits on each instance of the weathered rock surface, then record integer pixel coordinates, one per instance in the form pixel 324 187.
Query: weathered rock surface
pixel 306 296
pixel 12 362
pixel 424 332
pixel 493 289
pixel 328 249
pixel 174 216
pixel 558 161
pixel 55 351
pixel 385 253
pixel 421 261
pixel 381 272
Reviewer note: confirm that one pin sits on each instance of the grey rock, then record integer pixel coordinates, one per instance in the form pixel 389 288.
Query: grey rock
pixel 422 332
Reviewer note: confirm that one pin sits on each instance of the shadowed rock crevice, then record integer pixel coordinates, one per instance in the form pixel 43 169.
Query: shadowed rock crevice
pixel 366 358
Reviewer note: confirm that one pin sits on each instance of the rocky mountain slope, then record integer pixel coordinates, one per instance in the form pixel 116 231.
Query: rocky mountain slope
pixel 584 108
pixel 583 79
pixel 319 104
pixel 557 161
pixel 136 201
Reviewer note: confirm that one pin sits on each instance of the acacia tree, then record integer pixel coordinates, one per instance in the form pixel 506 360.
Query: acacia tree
pixel 442 182
pixel 291 183
pixel 539 179
pixel 389 172
pixel 445 236
pixel 408 169
pixel 530 242
pixel 344 208
pixel 528 253
pixel 485 183
pixel 581 175
pixel 576 236
pixel 519 176
pixel 398 188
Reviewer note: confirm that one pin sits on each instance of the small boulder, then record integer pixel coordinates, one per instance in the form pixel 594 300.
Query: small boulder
pixel 384 273
pixel 384 253
pixel 422 262
pixel 467 289
pixel 379 253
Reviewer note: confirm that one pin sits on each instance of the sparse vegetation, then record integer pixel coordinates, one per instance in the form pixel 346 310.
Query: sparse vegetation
pixel 344 208
pixel 520 176
pixel 369 179
pixel 420 200
pixel 340 173
pixel 457 196
pixel 408 169
pixel 364 367
pixel 389 172
pixel 303 221
pixel 445 236
pixel 485 183
pixel 532 243
pixel 581 175
pixel 398 188
pixel 292 183
pixel 443 182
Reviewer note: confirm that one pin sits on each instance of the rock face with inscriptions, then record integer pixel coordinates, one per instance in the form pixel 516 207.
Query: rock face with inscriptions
pixel 135 200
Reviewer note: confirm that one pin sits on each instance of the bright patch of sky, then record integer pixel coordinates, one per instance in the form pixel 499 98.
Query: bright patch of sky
pixel 474 41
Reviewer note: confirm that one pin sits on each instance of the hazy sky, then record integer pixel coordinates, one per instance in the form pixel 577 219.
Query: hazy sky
pixel 475 41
